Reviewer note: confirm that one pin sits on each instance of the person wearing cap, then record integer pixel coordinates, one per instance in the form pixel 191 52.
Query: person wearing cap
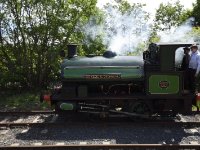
pixel 185 66
pixel 194 67
pixel 186 59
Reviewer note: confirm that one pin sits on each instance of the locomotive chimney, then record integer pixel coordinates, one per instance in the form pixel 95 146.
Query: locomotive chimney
pixel 71 50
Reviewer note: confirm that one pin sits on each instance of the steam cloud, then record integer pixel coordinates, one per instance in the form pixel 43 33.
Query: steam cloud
pixel 179 34
pixel 122 32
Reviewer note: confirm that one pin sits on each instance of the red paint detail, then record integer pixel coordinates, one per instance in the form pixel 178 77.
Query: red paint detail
pixel 164 84
pixel 198 97
pixel 47 98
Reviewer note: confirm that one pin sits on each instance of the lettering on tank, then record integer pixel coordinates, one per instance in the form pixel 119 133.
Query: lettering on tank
pixel 103 76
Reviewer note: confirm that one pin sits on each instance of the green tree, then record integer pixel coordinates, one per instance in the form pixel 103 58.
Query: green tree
pixel 170 15
pixel 196 12
pixel 32 34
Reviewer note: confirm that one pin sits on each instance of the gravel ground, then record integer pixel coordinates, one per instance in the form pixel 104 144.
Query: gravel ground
pixel 114 134
pixel 98 133
pixel 190 118
pixel 23 119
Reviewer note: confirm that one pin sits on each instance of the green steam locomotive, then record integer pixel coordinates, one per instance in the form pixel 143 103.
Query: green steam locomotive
pixel 131 85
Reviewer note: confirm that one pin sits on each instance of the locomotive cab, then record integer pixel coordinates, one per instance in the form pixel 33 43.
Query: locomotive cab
pixel 164 80
pixel 160 64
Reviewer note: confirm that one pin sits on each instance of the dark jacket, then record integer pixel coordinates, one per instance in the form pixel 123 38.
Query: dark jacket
pixel 185 62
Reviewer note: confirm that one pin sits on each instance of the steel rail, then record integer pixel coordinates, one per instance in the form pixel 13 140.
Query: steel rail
pixel 75 123
pixel 3 113
pixel 26 112
pixel 108 146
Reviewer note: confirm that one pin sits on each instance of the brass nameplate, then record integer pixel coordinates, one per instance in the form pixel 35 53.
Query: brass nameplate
pixel 103 76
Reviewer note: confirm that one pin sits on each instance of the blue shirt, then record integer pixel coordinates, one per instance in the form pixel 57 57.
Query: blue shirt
pixel 195 61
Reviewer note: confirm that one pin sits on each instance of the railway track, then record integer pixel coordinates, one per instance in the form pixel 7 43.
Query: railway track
pixel 106 147
pixel 17 122
pixel 25 112
pixel 57 124
pixel 47 127
pixel 48 112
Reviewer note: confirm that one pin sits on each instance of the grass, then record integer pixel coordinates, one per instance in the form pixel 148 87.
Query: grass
pixel 194 108
pixel 25 101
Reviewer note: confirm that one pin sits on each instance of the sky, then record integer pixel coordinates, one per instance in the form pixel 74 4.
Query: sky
pixel 152 5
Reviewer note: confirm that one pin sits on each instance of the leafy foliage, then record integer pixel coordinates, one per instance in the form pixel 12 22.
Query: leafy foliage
pixel 196 12
pixel 170 15
pixel 32 34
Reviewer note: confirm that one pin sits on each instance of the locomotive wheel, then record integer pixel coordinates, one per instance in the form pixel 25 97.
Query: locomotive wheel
pixel 140 107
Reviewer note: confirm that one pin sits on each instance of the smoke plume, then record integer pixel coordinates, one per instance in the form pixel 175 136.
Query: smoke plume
pixel 121 32
pixel 126 32
pixel 179 34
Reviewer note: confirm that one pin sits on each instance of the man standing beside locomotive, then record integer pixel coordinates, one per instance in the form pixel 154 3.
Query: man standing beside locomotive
pixel 194 67
pixel 185 66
